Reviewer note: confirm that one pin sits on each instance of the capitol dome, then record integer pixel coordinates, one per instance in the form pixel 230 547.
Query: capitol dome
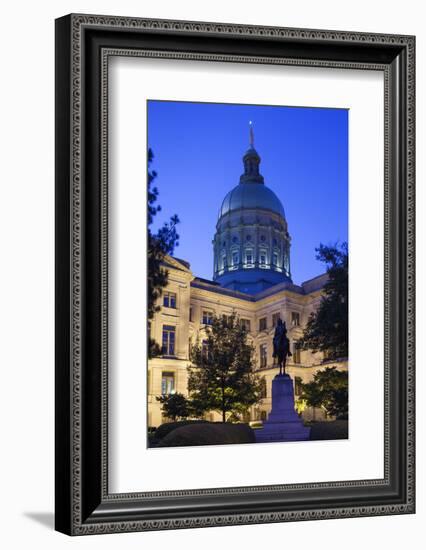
pixel 252 243
pixel 245 196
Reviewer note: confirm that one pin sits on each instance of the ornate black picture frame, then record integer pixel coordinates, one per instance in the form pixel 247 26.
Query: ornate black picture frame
pixel 83 45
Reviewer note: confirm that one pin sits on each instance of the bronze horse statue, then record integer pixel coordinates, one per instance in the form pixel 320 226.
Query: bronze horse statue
pixel 281 346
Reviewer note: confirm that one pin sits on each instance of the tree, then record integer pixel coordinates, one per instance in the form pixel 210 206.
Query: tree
pixel 174 406
pixel 160 244
pixel 327 327
pixel 329 390
pixel 221 377
pixel 311 395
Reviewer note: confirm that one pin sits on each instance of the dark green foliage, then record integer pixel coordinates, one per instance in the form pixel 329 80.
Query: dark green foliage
pixel 168 427
pixel 329 390
pixel 221 377
pixel 208 434
pixel 174 406
pixel 327 328
pixel 160 244
pixel 337 429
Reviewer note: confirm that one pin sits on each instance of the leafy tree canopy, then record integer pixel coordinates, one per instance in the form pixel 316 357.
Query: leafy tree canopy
pixel 328 390
pixel 327 328
pixel 160 243
pixel 174 406
pixel 221 377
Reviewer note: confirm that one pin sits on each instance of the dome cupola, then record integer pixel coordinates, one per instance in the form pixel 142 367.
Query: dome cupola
pixel 252 243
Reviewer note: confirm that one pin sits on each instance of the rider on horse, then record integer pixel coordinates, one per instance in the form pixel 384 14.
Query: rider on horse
pixel 281 345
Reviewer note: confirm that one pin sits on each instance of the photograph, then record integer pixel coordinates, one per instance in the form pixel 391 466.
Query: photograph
pixel 234 273
pixel 248 270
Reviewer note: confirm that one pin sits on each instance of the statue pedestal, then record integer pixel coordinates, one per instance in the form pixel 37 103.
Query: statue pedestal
pixel 283 422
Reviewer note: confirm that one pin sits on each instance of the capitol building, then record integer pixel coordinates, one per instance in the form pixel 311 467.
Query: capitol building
pixel 252 278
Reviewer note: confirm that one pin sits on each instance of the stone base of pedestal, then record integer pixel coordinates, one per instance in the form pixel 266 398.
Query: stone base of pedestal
pixel 283 422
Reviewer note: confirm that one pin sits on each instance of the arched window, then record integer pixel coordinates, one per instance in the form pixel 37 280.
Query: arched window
pixel 296 353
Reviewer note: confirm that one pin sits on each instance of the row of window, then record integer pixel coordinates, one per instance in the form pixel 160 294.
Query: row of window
pixel 207 319
pixel 263 321
pixel 169 300
pixel 169 340
pixel 168 385
pixel 249 259
pixel 169 331
pixel 263 239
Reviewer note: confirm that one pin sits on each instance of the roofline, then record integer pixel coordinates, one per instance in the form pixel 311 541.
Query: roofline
pixel 313 279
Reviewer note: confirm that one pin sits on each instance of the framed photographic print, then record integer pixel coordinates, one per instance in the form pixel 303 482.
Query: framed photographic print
pixel 234 274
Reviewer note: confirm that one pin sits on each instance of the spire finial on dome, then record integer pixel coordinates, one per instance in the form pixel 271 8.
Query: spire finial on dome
pixel 251 161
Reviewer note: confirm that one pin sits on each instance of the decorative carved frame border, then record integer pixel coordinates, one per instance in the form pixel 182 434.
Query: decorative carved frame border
pixel 108 522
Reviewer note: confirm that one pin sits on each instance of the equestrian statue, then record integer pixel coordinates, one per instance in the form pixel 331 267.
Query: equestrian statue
pixel 281 346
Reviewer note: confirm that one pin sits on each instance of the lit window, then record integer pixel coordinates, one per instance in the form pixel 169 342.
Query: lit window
pixel 275 318
pixel 263 355
pixel 207 317
pixel 295 319
pixel 167 383
pixel 169 338
pixel 262 323
pixel 245 323
pixel 205 350
pixel 227 318
pixel 169 299
pixel 296 353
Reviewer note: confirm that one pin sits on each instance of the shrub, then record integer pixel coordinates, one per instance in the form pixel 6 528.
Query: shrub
pixel 168 427
pixel 208 434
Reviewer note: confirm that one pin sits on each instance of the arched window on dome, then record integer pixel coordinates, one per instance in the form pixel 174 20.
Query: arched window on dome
pixel 235 259
pixel 287 261
pixel 275 259
pixel 249 258
pixel 262 259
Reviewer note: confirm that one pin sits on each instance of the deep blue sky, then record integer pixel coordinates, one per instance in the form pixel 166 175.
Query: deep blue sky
pixel 198 149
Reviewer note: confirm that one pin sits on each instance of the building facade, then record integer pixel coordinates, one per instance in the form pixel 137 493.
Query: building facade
pixel 252 278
